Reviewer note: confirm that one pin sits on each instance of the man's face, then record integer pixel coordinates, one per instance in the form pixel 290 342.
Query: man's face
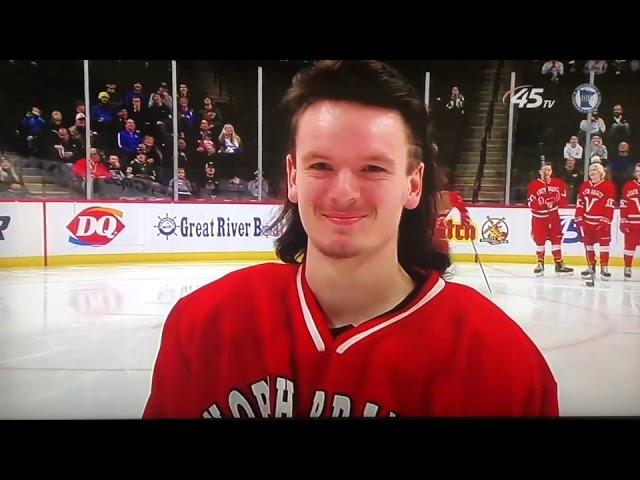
pixel 617 111
pixel 114 161
pixel 623 148
pixel 349 177
pixel 81 122
pixel 57 116
pixel 210 170
pixel 110 88
pixel 570 164
pixel 123 113
pixel 136 102
pixel 63 133
pixel 573 141
pixel 594 174
pixel 545 172
pixel 149 141
pixel 596 140
pixel 181 173
pixel 182 144
pixel 137 87
pixel 183 89
pixel 130 125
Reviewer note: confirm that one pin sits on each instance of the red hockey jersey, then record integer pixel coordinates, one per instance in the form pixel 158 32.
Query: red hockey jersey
pixel 596 202
pixel 447 201
pixel 544 198
pixel 630 203
pixel 256 343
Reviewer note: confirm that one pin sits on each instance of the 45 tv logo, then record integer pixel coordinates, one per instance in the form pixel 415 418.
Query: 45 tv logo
pixel 95 226
pixel 525 96
pixel 570 231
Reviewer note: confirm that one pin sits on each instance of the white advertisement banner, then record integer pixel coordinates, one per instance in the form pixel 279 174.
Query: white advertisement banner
pixel 21 229
pixel 94 228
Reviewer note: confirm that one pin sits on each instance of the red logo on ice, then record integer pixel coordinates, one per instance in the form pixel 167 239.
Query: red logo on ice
pixel 95 226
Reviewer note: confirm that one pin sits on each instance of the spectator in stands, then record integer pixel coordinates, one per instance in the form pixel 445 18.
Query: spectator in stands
pixel 184 186
pixel 135 92
pixel 66 149
pixel 115 96
pixel 79 107
pixel 55 121
pixel 186 117
pixel 573 149
pixel 211 188
pixel 50 136
pixel 97 167
pixel 597 66
pixel 115 167
pixel 573 178
pixel 103 113
pixel 151 149
pixel 619 129
pixel 597 126
pixel 621 167
pixel 33 126
pixel 555 69
pixel 229 140
pixel 165 98
pixel 455 103
pixel 620 66
pixel 139 168
pixel 9 179
pixel 160 118
pixel 183 154
pixel 121 119
pixel 129 139
pixel 210 106
pixel 138 113
pixel 204 133
pixel 183 91
pixel 598 150
pixel 78 131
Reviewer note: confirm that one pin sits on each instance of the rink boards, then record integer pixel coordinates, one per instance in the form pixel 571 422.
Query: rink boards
pixel 39 233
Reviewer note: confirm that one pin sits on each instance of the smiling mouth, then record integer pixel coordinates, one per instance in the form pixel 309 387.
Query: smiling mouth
pixel 343 219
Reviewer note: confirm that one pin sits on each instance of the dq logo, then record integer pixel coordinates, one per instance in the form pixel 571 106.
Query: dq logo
pixel 495 231
pixel 95 226
pixel 570 231
pixel 457 232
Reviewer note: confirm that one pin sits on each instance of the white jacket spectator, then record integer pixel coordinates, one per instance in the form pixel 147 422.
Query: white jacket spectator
pixel 573 149
pixel 555 68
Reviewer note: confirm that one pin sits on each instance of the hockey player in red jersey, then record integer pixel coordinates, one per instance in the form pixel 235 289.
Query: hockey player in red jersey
pixel 630 219
pixel 447 200
pixel 357 320
pixel 545 195
pixel 594 212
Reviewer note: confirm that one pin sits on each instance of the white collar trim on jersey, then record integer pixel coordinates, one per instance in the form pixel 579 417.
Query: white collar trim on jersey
pixel 315 334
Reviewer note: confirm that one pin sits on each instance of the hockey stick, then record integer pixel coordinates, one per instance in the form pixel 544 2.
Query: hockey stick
pixel 481 267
